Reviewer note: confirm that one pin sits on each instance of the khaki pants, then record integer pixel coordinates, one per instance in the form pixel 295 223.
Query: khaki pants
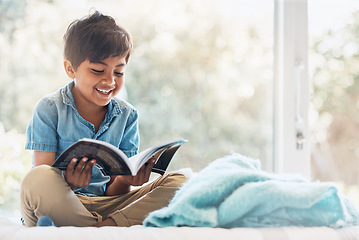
pixel 44 192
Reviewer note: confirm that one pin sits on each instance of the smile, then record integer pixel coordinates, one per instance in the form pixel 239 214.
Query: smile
pixel 104 91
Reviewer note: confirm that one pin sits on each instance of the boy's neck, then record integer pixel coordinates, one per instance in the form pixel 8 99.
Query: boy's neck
pixel 90 112
pixel 94 116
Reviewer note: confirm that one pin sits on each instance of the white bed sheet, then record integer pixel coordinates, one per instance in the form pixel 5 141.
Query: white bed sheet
pixel 10 230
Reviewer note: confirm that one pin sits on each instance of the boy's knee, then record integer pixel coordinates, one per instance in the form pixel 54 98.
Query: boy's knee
pixel 39 178
pixel 174 179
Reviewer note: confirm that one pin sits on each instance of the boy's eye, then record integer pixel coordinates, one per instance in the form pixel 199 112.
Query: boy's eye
pixel 119 74
pixel 97 71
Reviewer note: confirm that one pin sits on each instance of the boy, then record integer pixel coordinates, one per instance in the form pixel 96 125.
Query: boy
pixel 96 52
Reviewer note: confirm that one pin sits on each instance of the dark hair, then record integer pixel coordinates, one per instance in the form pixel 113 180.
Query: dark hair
pixel 95 37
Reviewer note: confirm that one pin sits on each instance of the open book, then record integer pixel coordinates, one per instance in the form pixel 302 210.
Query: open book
pixel 112 161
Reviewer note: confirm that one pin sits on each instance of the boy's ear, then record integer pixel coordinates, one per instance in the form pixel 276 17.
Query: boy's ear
pixel 70 71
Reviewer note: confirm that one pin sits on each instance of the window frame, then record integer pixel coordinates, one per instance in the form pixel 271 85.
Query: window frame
pixel 291 88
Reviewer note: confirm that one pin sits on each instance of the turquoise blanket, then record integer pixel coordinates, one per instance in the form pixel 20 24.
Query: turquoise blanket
pixel 234 192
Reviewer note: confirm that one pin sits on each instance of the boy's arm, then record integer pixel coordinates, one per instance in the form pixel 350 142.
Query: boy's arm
pixel 43 158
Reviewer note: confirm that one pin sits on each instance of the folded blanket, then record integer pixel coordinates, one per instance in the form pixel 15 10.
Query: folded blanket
pixel 234 192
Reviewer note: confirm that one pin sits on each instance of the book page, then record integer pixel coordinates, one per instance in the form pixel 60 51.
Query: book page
pixel 138 160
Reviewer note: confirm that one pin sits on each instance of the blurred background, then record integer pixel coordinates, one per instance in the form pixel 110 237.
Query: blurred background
pixel 201 70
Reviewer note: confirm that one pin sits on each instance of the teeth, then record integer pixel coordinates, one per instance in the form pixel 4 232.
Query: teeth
pixel 103 91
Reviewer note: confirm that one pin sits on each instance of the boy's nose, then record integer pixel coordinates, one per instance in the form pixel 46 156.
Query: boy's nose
pixel 109 79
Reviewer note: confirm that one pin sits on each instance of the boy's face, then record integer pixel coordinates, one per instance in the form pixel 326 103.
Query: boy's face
pixel 97 83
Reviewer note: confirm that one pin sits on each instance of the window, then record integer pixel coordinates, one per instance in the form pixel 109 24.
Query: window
pixel 333 57
pixel 204 70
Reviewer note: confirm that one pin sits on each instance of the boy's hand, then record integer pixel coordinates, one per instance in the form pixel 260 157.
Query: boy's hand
pixel 80 175
pixel 143 175
pixel 121 184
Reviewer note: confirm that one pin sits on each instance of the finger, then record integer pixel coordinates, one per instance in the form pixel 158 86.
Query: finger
pixel 80 166
pixel 84 174
pixel 152 161
pixel 69 173
pixel 71 167
pixel 76 176
pixel 148 169
pixel 141 175
pixel 88 166
pixel 149 165
pixel 87 172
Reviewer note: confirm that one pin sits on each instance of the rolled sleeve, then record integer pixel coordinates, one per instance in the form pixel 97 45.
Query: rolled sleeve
pixel 41 133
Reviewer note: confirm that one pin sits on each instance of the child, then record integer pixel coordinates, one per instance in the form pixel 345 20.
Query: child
pixel 96 53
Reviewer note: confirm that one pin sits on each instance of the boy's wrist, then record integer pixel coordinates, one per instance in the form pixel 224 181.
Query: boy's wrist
pixel 118 186
pixel 122 181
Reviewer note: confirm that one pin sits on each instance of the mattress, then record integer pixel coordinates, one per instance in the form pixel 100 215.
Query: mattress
pixel 10 230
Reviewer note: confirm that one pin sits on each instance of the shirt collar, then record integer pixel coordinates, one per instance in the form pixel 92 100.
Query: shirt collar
pixel 114 108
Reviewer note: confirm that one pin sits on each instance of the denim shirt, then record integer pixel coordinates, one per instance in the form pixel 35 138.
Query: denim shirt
pixel 56 124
